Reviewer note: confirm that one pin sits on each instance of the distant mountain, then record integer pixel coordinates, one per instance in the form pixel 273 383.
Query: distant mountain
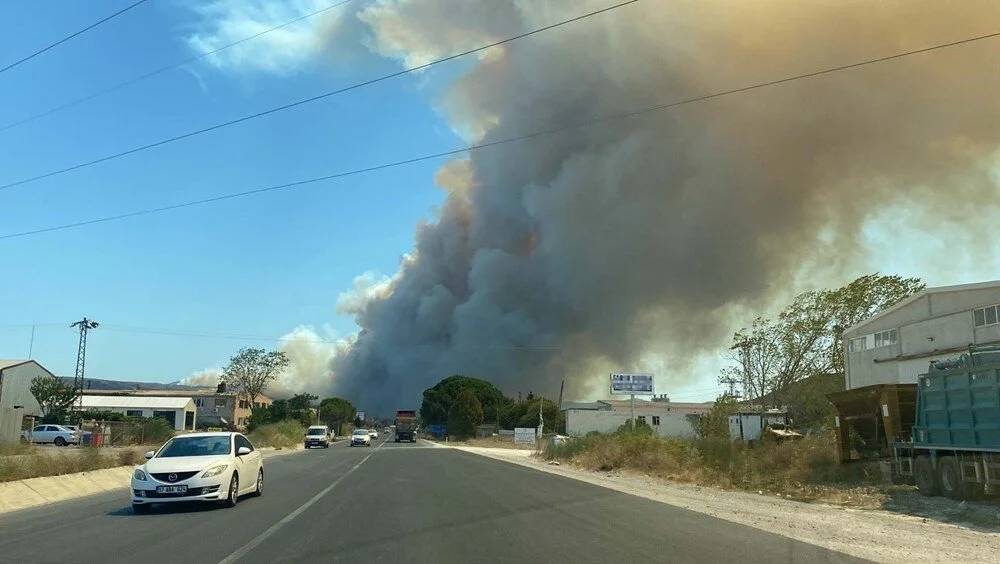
pixel 101 384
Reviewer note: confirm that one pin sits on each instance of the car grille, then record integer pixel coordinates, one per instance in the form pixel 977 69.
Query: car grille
pixel 177 476
pixel 153 494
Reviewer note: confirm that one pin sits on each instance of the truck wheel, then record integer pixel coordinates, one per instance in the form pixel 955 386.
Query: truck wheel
pixel 950 477
pixel 925 477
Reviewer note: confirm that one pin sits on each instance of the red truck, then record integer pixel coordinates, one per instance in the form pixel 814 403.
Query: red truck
pixel 406 423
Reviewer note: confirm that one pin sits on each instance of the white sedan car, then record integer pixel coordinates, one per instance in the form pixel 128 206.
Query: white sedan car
pixel 59 435
pixel 360 437
pixel 216 467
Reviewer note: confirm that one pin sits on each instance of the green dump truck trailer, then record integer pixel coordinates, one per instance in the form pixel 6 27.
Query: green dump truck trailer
pixel 955 439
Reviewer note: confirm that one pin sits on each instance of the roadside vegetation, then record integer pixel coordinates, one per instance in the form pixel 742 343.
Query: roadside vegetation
pixel 33 463
pixel 283 434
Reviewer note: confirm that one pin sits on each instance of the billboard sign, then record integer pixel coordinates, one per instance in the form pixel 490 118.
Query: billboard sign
pixel 524 435
pixel 361 416
pixel 630 383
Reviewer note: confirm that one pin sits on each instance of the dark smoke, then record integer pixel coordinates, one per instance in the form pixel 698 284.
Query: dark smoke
pixel 609 246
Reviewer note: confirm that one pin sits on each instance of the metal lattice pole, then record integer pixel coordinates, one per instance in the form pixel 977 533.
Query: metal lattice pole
pixel 81 358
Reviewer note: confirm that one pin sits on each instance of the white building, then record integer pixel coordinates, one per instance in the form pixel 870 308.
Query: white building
pixel 895 346
pixel 16 401
pixel 180 412
pixel 667 419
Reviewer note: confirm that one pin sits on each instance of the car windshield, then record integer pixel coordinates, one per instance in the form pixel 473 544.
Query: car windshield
pixel 360 432
pixel 319 431
pixel 196 446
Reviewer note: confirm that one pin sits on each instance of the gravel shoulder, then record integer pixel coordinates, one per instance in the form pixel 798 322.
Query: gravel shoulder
pixel 878 535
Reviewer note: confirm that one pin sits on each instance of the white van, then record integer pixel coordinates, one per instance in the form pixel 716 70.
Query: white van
pixel 317 435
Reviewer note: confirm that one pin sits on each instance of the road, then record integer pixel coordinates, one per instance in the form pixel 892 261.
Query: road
pixel 395 503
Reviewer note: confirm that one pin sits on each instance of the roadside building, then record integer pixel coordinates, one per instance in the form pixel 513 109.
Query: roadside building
pixel 667 419
pixel 16 401
pixel 214 408
pixel 179 411
pixel 895 346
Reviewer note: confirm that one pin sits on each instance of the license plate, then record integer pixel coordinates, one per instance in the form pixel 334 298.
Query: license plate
pixel 171 489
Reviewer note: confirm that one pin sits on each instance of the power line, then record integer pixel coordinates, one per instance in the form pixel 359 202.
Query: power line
pixel 70 36
pixel 310 99
pixel 485 145
pixel 169 67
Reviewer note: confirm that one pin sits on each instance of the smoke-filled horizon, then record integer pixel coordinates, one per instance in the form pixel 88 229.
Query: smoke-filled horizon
pixel 629 245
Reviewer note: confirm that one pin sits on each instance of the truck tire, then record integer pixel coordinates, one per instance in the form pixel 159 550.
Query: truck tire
pixel 925 476
pixel 952 484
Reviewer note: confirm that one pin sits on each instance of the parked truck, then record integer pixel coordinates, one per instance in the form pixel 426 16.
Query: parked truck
pixel 406 425
pixel 954 448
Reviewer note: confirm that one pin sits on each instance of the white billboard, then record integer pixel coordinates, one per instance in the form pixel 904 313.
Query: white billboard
pixel 631 383
pixel 361 416
pixel 524 435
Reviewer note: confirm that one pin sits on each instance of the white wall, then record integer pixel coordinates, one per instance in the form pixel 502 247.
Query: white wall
pixel 579 422
pixel 178 413
pixel 15 389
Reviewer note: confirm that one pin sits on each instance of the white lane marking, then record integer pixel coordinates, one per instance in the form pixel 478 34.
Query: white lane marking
pixel 243 550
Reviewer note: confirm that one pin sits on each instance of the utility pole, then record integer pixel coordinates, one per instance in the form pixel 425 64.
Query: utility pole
pixel 81 356
pixel 31 343
pixel 632 410
pixel 731 382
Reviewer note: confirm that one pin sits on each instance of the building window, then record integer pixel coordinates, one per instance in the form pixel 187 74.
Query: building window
pixel 197 401
pixel 885 338
pixel 641 418
pixel 985 316
pixel 244 404
pixel 220 402
pixel 656 420
pixel 857 345
pixel 133 412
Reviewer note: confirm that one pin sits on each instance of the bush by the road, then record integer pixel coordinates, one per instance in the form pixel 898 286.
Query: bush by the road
pixel 800 468
pixel 37 463
pixel 156 430
pixel 283 434
pixel 464 415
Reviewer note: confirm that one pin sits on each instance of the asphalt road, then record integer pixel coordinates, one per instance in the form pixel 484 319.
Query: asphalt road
pixel 395 503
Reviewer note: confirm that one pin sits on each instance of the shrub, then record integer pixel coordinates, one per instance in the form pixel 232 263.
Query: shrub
pixel 464 415
pixel 156 430
pixel 283 434
pixel 130 457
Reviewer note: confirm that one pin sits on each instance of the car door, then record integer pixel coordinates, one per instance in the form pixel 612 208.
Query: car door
pixel 48 434
pixel 38 434
pixel 249 464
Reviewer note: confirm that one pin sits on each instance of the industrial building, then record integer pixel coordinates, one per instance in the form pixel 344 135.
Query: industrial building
pixel 895 346
pixel 16 401
pixel 667 419
pixel 214 408
pixel 179 411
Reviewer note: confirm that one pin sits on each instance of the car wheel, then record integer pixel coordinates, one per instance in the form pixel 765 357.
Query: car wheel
pixel 259 491
pixel 925 477
pixel 140 508
pixel 60 441
pixel 234 492
pixel 24 441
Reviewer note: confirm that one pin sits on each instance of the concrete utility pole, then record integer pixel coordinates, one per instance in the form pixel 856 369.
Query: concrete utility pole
pixel 632 409
pixel 81 357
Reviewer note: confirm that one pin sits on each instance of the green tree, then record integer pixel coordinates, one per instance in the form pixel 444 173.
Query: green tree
pixel 715 423
pixel 53 395
pixel 250 371
pixel 438 400
pixel 334 412
pixel 465 414
pixel 526 414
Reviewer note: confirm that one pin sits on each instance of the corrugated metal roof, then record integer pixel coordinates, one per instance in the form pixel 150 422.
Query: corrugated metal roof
pixel 136 402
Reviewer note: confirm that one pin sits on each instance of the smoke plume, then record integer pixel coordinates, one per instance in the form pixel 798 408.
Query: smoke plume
pixel 631 242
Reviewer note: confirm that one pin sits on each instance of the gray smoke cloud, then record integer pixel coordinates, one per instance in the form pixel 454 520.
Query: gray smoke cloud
pixel 630 243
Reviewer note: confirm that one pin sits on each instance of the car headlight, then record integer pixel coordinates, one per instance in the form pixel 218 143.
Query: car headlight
pixel 215 471
pixel 139 475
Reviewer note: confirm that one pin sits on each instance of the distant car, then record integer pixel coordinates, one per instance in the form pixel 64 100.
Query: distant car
pixel 317 435
pixel 361 437
pixel 216 467
pixel 59 435
pixel 373 434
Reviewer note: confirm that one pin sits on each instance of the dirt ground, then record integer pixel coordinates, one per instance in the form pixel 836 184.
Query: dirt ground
pixel 493 443
pixel 907 527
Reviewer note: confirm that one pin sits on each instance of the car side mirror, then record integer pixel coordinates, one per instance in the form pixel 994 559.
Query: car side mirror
pixel 242 450
pixel 149 454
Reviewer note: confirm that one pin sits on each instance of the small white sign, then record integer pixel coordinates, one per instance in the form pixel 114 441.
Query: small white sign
pixel 524 435
pixel 361 416
pixel 628 383
pixel 885 410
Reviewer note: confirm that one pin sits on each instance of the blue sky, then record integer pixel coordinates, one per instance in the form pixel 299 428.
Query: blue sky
pixel 256 266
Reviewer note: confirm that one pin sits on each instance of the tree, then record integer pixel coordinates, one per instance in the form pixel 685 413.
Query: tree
pixel 465 414
pixel 300 408
pixel 53 395
pixel 806 337
pixel 336 411
pixel 251 370
pixel 438 400
pixel 715 423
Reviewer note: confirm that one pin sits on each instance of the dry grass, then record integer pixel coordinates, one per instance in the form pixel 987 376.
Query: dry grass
pixel 35 464
pixel 493 442
pixel 285 434
pixel 806 470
